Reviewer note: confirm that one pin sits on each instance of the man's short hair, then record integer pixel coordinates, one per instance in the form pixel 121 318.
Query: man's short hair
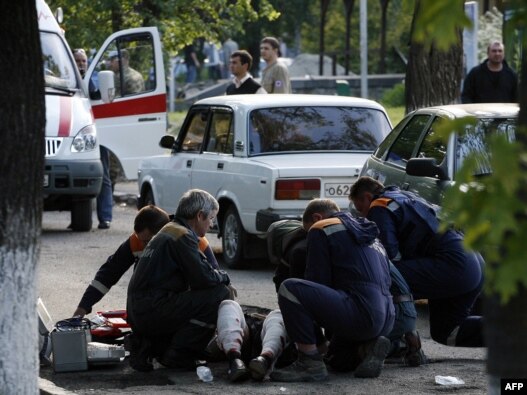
pixel 273 42
pixel 365 184
pixel 245 57
pixel 152 218
pixel 195 200
pixel 494 42
pixel 123 53
pixel 326 207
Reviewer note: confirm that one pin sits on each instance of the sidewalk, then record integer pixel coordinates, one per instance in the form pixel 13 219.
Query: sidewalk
pixel 126 192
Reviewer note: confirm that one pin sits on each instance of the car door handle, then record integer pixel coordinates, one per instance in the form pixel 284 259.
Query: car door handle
pixel 189 163
pixel 220 166
pixel 147 119
pixel 405 186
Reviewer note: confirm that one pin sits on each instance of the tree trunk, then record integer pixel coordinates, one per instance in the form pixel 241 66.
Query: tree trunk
pixel 382 49
pixel 505 328
pixel 22 121
pixel 433 77
pixel 324 4
pixel 348 7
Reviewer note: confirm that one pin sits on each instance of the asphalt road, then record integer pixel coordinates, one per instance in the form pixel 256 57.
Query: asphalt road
pixel 69 260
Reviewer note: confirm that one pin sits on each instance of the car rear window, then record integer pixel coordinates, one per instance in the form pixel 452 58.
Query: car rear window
pixel 311 128
pixel 474 140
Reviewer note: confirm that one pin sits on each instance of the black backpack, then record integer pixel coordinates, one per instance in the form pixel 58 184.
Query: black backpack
pixel 280 236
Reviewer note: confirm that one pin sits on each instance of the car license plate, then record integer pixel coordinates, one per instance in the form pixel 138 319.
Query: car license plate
pixel 336 190
pixel 46 180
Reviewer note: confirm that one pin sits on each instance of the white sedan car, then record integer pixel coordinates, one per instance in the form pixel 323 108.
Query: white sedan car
pixel 264 157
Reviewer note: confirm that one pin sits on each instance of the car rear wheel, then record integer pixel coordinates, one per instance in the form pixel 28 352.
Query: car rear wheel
pixel 233 240
pixel 146 197
pixel 81 215
pixel 149 198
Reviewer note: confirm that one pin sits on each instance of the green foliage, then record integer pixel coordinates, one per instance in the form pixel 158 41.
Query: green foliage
pixel 88 23
pixel 439 21
pixel 488 210
pixel 393 97
pixel 399 19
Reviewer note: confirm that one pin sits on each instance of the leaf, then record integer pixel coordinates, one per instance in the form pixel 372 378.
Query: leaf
pixel 438 22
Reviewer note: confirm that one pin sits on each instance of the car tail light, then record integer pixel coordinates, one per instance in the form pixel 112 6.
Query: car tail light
pixel 297 189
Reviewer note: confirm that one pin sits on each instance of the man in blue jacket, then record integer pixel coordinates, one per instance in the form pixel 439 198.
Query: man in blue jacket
pixel 346 291
pixel 174 293
pixel 434 264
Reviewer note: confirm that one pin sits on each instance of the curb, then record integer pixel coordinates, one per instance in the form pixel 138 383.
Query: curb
pixel 127 198
pixel 46 387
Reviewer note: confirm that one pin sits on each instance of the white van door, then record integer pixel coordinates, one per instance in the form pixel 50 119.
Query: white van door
pixel 133 123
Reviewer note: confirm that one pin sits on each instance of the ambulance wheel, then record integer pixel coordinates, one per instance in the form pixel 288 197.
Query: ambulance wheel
pixel 233 240
pixel 81 215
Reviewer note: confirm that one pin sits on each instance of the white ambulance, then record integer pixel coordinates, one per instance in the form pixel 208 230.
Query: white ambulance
pixel 83 114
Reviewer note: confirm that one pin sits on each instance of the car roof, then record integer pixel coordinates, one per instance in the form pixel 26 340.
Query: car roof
pixel 285 100
pixel 478 110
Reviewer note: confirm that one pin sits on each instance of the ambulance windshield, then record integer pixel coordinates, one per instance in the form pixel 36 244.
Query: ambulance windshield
pixel 59 69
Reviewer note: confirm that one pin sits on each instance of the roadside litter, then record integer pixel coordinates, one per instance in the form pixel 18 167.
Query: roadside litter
pixel 448 380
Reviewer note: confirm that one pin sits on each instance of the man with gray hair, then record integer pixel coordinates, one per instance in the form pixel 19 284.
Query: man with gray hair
pixel 174 292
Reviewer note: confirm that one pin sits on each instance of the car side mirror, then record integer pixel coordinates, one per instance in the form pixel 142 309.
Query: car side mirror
pixel 167 141
pixel 425 167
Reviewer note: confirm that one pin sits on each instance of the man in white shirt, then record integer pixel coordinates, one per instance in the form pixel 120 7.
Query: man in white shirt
pixel 242 84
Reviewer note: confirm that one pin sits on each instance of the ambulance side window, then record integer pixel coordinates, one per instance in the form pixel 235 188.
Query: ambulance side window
pixel 132 60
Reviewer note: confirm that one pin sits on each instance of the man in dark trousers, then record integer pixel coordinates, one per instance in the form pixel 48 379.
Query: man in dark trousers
pixel 174 293
pixel 239 65
pixel 492 81
pixel 434 264
pixel 148 221
pixel 290 262
pixel 346 291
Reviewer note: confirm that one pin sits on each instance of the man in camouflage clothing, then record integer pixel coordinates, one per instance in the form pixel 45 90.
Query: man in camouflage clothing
pixel 132 80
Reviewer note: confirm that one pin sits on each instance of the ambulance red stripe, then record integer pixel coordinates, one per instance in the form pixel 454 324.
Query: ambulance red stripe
pixel 142 105
pixel 65 116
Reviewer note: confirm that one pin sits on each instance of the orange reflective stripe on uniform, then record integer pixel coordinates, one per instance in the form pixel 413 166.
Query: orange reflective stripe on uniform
pixel 136 245
pixel 326 222
pixel 388 203
pixel 380 202
pixel 203 244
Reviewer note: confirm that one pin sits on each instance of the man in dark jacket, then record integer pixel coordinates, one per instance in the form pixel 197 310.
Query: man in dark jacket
pixel 242 84
pixel 346 291
pixel 148 221
pixel 175 292
pixel 291 263
pixel 492 81
pixel 435 264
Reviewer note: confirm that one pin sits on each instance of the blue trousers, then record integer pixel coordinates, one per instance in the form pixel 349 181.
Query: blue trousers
pixel 349 317
pixel 105 196
pixel 451 280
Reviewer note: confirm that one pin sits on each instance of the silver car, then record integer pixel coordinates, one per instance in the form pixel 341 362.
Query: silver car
pixel 412 158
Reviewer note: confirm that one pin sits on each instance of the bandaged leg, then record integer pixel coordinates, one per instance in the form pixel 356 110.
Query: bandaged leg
pixel 232 328
pixel 274 336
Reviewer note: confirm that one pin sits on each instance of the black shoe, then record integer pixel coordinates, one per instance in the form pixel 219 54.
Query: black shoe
pixel 237 370
pixel 259 367
pixel 140 359
pixel 305 368
pixel 414 355
pixel 373 354
pixel 175 360
pixel 104 225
